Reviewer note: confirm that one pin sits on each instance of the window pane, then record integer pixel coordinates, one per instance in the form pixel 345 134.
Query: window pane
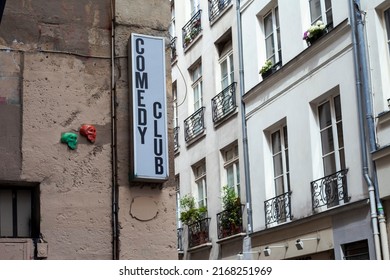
pixel 276 145
pixel 315 10
pixel 231 68
pixel 337 107
pixel 268 25
pixel 327 141
pixel 24 212
pixel 270 48
pixel 387 20
pixel 238 173
pixel 278 165
pixel 6 223
pixel 328 4
pixel 230 176
pixel 342 159
pixel 340 135
pixel 279 186
pixel 285 137
pixel 329 164
pixel 324 113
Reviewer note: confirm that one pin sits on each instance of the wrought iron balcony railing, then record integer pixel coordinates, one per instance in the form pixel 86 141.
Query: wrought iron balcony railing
pixel 194 124
pixel 330 190
pixel 192 29
pixel 229 222
pixel 173 49
pixel 176 138
pixel 198 233
pixel 224 103
pixel 216 7
pixel 180 246
pixel 278 209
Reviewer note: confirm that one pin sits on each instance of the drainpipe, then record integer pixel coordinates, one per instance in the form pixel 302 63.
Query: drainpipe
pixel 363 93
pixel 114 168
pixel 249 229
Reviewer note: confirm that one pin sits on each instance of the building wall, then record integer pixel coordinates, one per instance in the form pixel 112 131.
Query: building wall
pixel 56 60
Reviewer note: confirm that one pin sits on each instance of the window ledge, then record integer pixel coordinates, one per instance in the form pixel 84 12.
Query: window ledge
pixel 231 238
pixel 200 247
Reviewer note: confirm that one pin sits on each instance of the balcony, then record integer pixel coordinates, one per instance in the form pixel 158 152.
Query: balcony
pixel 180 246
pixel 278 209
pixel 173 50
pixel 224 103
pixel 194 125
pixel 192 29
pixel 176 138
pixel 229 222
pixel 330 191
pixel 198 233
pixel 216 7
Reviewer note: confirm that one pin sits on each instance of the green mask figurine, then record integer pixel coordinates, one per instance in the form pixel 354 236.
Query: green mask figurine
pixel 69 138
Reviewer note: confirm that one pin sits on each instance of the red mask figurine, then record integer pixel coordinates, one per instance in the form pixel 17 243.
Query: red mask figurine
pixel 88 131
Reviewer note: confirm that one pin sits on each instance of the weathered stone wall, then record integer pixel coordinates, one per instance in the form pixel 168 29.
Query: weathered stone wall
pixel 55 75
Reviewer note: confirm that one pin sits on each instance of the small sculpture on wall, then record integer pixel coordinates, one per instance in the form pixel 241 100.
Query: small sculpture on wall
pixel 88 131
pixel 70 139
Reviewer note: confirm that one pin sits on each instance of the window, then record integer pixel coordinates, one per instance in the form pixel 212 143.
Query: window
pixel 356 250
pixel 387 22
pixel 232 169
pixel 227 70
pixel 200 182
pixel 175 109
pixel 19 212
pixel 281 167
pixel 332 139
pixel 178 210
pixel 194 7
pixel 321 10
pixel 196 77
pixel 272 36
pixel 172 25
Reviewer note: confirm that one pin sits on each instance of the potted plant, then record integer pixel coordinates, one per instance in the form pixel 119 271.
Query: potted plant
pixel 231 219
pixel 266 70
pixel 314 32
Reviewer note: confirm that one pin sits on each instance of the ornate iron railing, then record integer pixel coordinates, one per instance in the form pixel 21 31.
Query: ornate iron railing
pixel 176 138
pixel 224 103
pixel 330 190
pixel 194 124
pixel 216 7
pixel 180 246
pixel 198 233
pixel 192 29
pixel 229 222
pixel 173 49
pixel 278 209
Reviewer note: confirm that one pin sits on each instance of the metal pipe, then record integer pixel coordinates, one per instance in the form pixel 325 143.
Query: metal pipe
pixel 114 195
pixel 244 125
pixel 363 92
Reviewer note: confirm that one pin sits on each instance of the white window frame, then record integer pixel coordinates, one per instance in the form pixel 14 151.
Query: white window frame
pixel 199 171
pixel 172 25
pixel 275 54
pixel 178 198
pixel 196 76
pixel 232 162
pixel 325 12
pixel 175 106
pixel 283 153
pixel 338 148
pixel 194 6
pixel 386 16
pixel 229 75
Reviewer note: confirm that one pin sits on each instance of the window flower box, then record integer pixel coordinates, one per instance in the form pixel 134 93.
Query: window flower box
pixel 315 32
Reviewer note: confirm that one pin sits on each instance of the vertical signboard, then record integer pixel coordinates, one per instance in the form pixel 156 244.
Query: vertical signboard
pixel 149 155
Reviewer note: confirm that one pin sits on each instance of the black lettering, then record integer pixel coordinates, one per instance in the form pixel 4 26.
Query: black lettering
pixel 156 129
pixel 142 132
pixel 141 80
pixel 158 164
pixel 138 43
pixel 156 114
pixel 140 63
pixel 142 119
pixel 140 97
pixel 158 146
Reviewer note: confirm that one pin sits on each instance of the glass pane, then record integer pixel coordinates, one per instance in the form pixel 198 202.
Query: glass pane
pixel 329 18
pixel 224 69
pixel 24 213
pixel 287 164
pixel 270 48
pixel 230 176
pixel 200 194
pixel 340 135
pixel 231 68
pixel 268 25
pixel 337 107
pixel 315 10
pixel 327 141
pixel 328 4
pixel 285 137
pixel 324 114
pixel 276 144
pixel 387 20
pixel 342 158
pixel 6 224
pixel 238 173
pixel 278 165
pixel 329 164
pixel 277 17
pixel 279 186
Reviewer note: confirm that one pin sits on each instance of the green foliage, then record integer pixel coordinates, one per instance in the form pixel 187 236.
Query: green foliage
pixel 232 204
pixel 267 65
pixel 190 213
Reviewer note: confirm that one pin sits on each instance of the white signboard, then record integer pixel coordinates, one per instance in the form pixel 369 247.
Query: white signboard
pixel 148 104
